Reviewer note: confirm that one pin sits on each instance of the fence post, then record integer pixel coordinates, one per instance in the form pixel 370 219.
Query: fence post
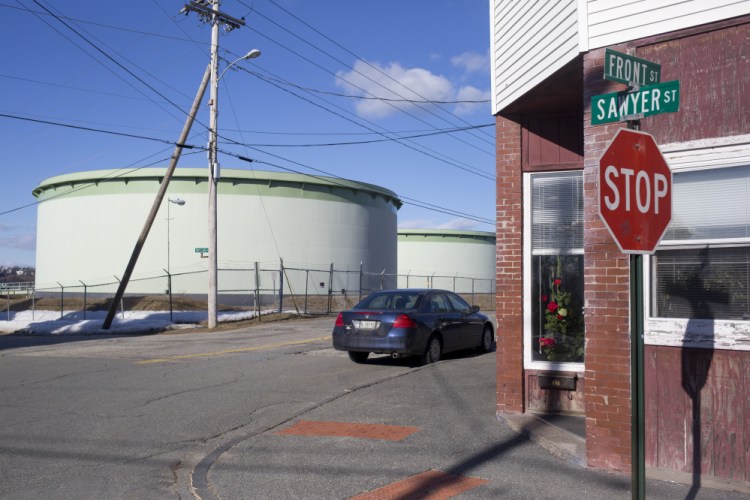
pixel 361 275
pixel 382 274
pixel 281 285
pixel 84 298
pixel 122 301
pixel 257 290
pixel 62 299
pixel 473 300
pixel 330 288
pixel 307 279
pixel 454 283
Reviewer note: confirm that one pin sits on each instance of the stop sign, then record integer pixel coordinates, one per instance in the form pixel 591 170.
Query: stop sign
pixel 635 191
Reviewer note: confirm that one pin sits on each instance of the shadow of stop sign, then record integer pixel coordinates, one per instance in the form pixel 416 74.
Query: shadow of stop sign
pixel 635 191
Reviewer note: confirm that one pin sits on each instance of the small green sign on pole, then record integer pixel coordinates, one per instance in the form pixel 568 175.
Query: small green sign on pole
pixel 201 250
pixel 649 100
pixel 623 68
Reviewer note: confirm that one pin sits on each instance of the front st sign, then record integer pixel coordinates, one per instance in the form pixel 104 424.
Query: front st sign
pixel 630 70
pixel 635 191
pixel 647 101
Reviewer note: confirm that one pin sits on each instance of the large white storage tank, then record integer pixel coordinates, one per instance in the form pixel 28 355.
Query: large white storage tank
pixel 458 260
pixel 88 223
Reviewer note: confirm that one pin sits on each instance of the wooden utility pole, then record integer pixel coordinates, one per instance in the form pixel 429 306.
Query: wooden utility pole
pixel 157 202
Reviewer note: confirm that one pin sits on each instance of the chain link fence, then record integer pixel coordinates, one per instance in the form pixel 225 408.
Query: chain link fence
pixel 303 291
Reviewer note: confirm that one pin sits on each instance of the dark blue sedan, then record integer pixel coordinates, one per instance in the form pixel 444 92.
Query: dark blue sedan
pixel 425 323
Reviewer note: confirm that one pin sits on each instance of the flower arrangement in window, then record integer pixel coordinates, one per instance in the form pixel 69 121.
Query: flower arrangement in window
pixel 563 333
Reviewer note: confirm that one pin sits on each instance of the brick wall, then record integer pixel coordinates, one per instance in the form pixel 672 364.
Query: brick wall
pixel 509 266
pixel 607 301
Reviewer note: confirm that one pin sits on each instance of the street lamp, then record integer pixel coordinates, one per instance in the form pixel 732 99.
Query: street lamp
pixel 180 202
pixel 214 173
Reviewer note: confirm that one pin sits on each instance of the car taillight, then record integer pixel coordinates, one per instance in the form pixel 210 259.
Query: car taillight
pixel 340 320
pixel 404 321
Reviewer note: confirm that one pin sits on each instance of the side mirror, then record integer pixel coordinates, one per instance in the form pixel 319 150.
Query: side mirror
pixel 474 309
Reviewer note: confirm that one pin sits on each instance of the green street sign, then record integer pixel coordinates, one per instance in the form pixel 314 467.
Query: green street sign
pixel 201 250
pixel 623 106
pixel 622 68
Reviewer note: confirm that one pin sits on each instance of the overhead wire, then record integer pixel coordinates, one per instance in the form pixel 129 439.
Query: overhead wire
pixel 390 104
pixel 406 143
pixel 273 2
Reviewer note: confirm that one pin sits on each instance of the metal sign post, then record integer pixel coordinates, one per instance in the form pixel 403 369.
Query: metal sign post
pixel 635 204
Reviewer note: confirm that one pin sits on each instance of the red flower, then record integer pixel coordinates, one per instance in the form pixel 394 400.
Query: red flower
pixel 557 282
pixel 547 342
pixel 560 318
pixel 544 298
pixel 552 306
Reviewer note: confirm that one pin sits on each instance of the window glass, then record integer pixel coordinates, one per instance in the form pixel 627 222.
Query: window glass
pixel 557 323
pixel 389 300
pixel 708 275
pixel 458 303
pixel 439 304
pixel 703 283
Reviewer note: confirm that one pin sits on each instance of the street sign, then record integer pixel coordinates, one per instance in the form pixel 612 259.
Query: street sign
pixel 635 191
pixel 201 250
pixel 647 101
pixel 623 68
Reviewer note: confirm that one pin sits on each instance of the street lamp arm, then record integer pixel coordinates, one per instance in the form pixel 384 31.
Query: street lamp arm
pixel 250 55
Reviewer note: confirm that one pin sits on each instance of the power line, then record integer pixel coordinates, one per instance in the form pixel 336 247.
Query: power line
pixel 433 154
pixel 354 55
pixel 357 86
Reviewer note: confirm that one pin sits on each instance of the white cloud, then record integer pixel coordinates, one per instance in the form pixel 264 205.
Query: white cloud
pixel 417 224
pixel 469 93
pixel 471 62
pixel 459 223
pixel 392 82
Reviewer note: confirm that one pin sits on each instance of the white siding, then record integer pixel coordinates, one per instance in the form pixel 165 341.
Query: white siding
pixel 531 40
pixel 616 21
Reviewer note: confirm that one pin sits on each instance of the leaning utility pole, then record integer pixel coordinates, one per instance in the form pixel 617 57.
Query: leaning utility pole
pixel 157 202
pixel 215 17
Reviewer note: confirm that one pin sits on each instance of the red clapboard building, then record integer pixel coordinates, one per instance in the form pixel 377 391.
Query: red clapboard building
pixel 563 285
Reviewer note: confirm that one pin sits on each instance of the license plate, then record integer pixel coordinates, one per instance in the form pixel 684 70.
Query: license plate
pixel 366 325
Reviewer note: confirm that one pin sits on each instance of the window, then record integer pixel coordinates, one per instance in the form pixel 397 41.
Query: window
pixel 702 270
pixel 554 289
pixel 458 303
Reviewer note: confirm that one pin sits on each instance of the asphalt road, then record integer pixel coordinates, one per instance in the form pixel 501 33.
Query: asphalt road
pixel 197 414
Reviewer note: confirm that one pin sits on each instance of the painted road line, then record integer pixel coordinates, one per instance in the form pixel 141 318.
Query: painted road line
pixel 230 351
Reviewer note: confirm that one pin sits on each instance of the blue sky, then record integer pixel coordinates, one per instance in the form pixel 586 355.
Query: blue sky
pixel 131 67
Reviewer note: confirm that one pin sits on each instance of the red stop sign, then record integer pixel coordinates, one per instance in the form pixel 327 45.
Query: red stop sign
pixel 635 191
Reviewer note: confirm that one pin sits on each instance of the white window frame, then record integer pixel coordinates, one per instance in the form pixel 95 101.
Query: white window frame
pixel 693 156
pixel 528 362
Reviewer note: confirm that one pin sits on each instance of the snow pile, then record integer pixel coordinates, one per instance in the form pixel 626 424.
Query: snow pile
pixel 72 322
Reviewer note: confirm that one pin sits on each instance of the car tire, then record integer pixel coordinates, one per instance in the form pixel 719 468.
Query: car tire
pixel 358 357
pixel 432 352
pixel 486 344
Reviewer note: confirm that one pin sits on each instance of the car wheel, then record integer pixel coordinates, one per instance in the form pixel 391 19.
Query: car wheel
pixel 432 352
pixel 358 357
pixel 486 345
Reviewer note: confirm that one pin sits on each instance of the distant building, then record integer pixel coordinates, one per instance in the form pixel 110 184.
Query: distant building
pixel 548 62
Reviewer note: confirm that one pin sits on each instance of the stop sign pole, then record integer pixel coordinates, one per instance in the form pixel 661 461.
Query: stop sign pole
pixel 635 203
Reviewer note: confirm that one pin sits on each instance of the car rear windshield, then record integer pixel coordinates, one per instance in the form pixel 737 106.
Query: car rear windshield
pixel 391 300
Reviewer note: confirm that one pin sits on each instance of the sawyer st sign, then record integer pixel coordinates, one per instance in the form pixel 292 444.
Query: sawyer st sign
pixel 623 68
pixel 647 101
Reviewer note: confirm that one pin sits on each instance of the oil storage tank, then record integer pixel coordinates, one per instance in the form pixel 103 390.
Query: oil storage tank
pixel 452 259
pixel 88 223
